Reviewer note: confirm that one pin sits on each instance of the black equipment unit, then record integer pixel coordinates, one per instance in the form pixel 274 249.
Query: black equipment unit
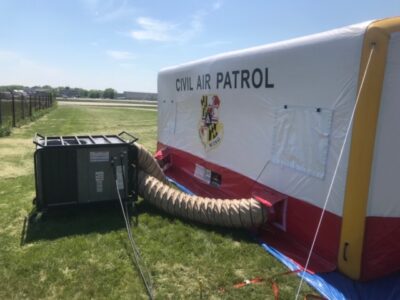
pixel 85 169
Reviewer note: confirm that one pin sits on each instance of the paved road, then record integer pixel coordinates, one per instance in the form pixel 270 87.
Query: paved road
pixel 141 106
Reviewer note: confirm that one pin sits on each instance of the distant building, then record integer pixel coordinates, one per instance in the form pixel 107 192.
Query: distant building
pixel 42 92
pixel 20 93
pixel 36 90
pixel 68 92
pixel 119 96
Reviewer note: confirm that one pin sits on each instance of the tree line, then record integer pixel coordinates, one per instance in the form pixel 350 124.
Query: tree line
pixel 66 91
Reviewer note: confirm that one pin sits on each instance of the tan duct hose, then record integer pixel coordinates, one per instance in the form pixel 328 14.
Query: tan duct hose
pixel 149 165
pixel 153 187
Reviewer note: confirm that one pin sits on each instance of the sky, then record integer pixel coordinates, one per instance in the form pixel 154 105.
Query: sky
pixel 122 44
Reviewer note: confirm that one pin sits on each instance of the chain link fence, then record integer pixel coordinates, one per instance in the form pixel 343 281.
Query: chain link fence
pixel 15 107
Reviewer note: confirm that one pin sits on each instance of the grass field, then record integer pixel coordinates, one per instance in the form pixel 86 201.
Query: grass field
pixel 85 255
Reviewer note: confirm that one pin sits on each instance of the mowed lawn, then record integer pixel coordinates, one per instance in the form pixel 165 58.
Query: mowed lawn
pixel 84 254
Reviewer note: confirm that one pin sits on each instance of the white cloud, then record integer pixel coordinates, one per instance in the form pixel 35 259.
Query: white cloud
pixel 155 30
pixel 120 55
pixel 217 5
pixel 109 10
pixel 162 31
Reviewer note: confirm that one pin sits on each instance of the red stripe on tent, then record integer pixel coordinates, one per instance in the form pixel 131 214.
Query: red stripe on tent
pixel 301 218
pixel 381 253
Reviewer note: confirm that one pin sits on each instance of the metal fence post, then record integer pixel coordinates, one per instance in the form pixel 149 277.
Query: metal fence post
pixel 1 111
pixel 30 105
pixel 13 109
pixel 22 107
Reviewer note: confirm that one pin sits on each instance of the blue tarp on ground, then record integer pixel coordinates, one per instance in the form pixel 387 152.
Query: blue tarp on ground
pixel 180 186
pixel 334 285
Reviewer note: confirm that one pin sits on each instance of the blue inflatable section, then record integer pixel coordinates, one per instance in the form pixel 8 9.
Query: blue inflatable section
pixel 334 285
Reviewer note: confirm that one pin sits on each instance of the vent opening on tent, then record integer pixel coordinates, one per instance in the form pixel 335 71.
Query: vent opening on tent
pixel 276 204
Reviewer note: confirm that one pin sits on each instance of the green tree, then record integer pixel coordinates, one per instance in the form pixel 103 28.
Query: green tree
pixel 95 94
pixel 83 93
pixel 109 93
pixel 6 88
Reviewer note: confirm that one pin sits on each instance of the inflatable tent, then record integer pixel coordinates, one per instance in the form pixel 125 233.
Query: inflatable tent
pixel 271 123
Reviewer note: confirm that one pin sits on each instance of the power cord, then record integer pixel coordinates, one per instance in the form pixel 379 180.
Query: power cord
pixel 146 277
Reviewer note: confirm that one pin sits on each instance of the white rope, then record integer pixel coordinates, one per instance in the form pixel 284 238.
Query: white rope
pixel 335 172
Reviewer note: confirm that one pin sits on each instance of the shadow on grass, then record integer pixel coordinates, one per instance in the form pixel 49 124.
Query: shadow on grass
pixel 73 220
pixel 236 234
pixel 106 217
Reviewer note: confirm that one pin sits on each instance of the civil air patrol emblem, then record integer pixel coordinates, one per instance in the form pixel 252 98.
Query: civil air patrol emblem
pixel 210 129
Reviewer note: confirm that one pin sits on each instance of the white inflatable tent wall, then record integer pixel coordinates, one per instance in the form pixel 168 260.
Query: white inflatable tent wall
pixel 270 122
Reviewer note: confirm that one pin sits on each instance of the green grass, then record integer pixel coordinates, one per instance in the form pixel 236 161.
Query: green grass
pixel 84 254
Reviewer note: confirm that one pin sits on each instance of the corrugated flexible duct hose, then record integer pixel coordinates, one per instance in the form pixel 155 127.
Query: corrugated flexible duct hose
pixel 153 187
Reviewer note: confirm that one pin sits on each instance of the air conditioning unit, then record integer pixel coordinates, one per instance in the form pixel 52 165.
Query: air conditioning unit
pixel 72 170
